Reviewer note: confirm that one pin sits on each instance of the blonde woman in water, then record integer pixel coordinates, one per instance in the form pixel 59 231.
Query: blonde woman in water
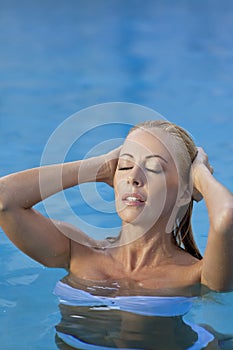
pixel 156 175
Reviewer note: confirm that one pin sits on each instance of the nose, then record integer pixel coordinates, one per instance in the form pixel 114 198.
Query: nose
pixel 136 177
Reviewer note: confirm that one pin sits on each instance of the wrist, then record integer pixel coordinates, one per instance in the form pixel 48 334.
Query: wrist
pixel 91 170
pixel 200 172
pixel 102 170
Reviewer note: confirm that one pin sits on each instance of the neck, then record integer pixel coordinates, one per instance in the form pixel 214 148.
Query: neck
pixel 137 249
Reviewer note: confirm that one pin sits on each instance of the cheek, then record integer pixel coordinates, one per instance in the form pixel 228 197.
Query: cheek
pixel 116 184
pixel 156 186
pixel 162 193
pixel 171 197
pixel 157 194
pixel 118 191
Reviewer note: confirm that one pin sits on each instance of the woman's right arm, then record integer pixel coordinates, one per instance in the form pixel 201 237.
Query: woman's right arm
pixel 217 262
pixel 39 237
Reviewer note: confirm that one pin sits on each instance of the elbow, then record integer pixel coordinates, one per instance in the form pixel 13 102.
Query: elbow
pixel 3 197
pixel 3 205
pixel 223 223
pixel 8 194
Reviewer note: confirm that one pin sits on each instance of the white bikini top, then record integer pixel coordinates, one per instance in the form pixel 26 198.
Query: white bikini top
pixel 141 305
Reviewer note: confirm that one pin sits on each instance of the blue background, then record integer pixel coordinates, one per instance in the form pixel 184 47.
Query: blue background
pixel 58 57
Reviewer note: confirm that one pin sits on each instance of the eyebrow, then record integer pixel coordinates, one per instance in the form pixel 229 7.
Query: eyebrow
pixel 147 157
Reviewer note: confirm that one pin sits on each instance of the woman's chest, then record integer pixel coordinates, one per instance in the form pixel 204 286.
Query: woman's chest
pixel 101 268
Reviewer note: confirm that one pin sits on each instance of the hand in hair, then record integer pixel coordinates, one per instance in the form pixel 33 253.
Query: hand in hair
pixel 107 170
pixel 200 160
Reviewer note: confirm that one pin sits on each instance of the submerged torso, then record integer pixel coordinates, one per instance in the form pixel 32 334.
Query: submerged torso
pixel 105 304
pixel 95 316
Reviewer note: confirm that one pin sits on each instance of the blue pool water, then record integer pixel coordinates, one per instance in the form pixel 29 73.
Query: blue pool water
pixel 58 57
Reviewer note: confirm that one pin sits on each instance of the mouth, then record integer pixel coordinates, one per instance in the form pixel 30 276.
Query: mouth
pixel 133 199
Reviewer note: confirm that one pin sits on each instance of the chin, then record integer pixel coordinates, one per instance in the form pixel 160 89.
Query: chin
pixel 137 219
pixel 143 216
pixel 129 218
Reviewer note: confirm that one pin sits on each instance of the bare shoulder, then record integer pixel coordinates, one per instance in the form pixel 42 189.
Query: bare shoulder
pixel 84 247
pixel 77 237
pixel 188 266
pixel 184 258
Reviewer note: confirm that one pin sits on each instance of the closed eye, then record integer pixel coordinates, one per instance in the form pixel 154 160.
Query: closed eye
pixel 125 168
pixel 154 166
pixel 154 171
pixel 151 170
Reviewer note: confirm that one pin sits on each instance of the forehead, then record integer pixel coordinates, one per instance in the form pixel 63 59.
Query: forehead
pixel 148 142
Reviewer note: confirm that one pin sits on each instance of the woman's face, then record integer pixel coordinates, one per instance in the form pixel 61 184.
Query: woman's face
pixel 146 178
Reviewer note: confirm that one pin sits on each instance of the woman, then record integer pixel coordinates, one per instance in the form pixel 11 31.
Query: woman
pixel 156 175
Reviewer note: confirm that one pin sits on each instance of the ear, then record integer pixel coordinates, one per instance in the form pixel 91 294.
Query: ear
pixel 184 197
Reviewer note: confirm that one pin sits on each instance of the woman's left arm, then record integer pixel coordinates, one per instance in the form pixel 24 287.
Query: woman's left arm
pixel 217 268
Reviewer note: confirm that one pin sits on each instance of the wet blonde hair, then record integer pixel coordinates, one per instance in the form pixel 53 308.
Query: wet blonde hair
pixel 182 233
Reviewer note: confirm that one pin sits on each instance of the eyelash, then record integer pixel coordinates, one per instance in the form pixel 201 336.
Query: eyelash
pixel 128 168
pixel 125 168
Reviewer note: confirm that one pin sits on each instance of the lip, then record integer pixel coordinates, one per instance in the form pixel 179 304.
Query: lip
pixel 140 200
